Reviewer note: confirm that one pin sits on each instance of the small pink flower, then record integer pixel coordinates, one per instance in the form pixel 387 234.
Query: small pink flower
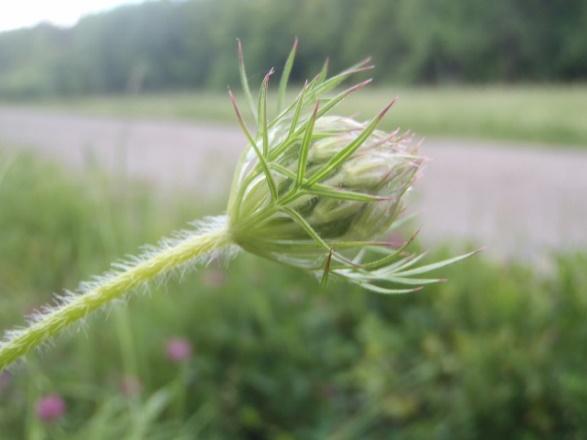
pixel 51 408
pixel 130 386
pixel 178 350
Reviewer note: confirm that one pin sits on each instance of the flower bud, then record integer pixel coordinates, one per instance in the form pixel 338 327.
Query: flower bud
pixel 368 170
pixel 354 201
pixel 329 211
pixel 337 132
pixel 313 189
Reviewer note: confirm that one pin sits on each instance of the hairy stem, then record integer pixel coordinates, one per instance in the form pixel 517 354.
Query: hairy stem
pixel 116 286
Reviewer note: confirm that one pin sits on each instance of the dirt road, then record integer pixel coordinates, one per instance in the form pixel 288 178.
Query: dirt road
pixel 515 200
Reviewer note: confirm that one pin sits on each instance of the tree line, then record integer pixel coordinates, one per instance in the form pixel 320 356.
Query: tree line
pixel 162 45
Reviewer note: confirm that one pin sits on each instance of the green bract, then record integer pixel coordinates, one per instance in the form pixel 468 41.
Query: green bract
pixel 317 191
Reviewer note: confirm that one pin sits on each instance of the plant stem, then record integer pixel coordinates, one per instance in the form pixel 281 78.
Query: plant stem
pixel 113 287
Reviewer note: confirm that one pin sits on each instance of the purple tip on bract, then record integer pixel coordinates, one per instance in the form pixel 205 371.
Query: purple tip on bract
pixel 51 408
pixel 178 350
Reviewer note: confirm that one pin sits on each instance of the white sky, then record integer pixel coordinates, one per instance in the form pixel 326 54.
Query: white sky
pixel 23 13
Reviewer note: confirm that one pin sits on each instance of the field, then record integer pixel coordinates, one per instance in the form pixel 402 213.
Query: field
pixel 498 351
pixel 526 113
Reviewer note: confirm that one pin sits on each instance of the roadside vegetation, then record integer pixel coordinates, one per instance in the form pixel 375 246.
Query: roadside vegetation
pixel 497 351
pixel 528 114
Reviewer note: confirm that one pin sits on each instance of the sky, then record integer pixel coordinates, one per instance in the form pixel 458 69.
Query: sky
pixel 25 13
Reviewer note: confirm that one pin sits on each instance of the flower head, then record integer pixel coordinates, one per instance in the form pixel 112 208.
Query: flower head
pixel 51 408
pixel 319 191
pixel 178 350
pixel 313 190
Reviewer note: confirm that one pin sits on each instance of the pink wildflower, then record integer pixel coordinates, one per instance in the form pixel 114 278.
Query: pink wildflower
pixel 178 350
pixel 51 408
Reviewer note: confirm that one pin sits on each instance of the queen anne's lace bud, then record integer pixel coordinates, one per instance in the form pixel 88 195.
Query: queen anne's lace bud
pixel 316 191
pixel 311 190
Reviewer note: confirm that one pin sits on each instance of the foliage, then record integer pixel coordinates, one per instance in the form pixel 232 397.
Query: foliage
pixel 167 44
pixel 498 351
pixel 511 112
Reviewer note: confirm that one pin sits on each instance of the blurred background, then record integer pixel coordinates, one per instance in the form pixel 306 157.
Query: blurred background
pixel 116 129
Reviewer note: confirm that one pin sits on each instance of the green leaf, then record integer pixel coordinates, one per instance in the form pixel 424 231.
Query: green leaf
pixel 319 189
pixel 298 111
pixel 343 154
pixel 262 160
pixel 262 112
pixel 330 103
pixel 326 271
pixel 285 75
pixel 312 233
pixel 342 194
pixel 386 291
pixel 318 86
pixel 303 156
pixel 395 268
pixel 324 71
pixel 437 265
pixel 390 257
pixel 340 244
pixel 334 81
pixel 243 77
pixel 306 227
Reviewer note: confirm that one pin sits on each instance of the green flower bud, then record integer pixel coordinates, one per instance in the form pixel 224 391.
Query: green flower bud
pixel 369 170
pixel 316 191
pixel 313 191
pixel 339 199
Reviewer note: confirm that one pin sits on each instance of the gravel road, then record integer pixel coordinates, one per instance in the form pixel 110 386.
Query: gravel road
pixel 516 200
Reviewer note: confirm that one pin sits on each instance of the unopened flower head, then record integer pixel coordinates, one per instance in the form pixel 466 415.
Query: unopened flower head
pixel 312 189
pixel 317 191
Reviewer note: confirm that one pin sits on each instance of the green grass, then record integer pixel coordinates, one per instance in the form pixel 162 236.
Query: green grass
pixel 542 114
pixel 498 351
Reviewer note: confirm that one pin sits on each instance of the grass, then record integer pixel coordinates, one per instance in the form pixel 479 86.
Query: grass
pixel 498 351
pixel 547 114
